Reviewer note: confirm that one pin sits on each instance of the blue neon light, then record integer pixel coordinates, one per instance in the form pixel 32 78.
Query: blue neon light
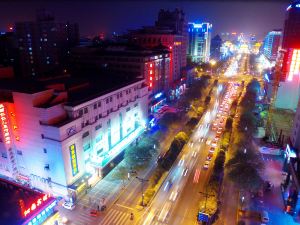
pixel 267 77
pixel 158 95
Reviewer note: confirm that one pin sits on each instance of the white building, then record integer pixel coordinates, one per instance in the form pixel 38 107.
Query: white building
pixel 199 41
pixel 62 141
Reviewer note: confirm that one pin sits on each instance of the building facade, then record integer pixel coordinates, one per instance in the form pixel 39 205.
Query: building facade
pixel 199 39
pixel 272 44
pixel 215 47
pixel 44 45
pixel 76 135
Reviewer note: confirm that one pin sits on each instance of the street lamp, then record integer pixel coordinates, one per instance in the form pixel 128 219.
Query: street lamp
pixel 212 64
pixel 142 180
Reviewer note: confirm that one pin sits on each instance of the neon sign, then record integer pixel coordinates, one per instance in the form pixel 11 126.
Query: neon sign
pixel 151 75
pixel 34 206
pixel 295 64
pixel 158 95
pixel 74 164
pixel 4 124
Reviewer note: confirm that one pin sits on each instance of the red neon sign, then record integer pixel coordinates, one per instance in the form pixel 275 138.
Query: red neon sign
pixel 4 124
pixel 35 205
pixel 295 64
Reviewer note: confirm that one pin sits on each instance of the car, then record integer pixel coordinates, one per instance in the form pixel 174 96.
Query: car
pixel 68 205
pixel 194 154
pixel 208 142
pixel 212 150
pixel 220 128
pixel 174 194
pixel 264 216
pixel 184 172
pixel 214 128
pixel 211 154
pixel 214 143
pixel 206 165
pixel 217 138
pixel 219 132
pixel 93 213
pixel 208 158
pixel 64 220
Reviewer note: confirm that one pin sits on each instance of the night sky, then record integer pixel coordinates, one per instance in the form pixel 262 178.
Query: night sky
pixel 248 16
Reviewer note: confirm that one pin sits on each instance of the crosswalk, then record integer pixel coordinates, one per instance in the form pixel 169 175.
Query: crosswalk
pixel 83 218
pixel 116 217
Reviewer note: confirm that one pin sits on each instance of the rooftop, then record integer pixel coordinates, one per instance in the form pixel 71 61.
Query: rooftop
pixel 12 196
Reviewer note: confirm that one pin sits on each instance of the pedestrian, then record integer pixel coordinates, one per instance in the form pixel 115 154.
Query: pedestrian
pixel 98 207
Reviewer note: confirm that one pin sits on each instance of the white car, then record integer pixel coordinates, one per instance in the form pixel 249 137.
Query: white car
pixel 206 165
pixel 174 194
pixel 69 205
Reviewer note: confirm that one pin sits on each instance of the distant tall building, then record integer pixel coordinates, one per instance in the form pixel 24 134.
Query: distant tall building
pixel 9 54
pixel 45 45
pixel 174 20
pixel 199 41
pixel 215 47
pixel 272 44
pixel 289 87
pixel 169 31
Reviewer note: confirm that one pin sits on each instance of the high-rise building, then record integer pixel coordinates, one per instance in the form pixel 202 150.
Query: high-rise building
pixel 9 54
pixel 152 65
pixel 81 126
pixel 169 31
pixel 44 45
pixel 215 47
pixel 291 32
pixel 289 86
pixel 174 20
pixel 271 45
pixel 199 41
pixel 291 37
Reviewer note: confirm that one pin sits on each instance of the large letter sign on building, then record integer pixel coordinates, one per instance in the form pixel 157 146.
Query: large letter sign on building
pixel 4 124
pixel 73 156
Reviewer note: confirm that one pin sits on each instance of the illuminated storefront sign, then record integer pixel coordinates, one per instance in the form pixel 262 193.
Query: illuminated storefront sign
pixel 4 125
pixel 151 75
pixel 36 205
pixel 73 156
pixel 43 215
pixel 295 64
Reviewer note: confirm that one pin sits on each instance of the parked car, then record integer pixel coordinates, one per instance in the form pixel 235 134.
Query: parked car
pixel 68 205
pixel 264 216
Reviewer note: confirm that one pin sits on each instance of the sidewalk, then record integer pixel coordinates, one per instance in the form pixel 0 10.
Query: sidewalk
pixel 271 201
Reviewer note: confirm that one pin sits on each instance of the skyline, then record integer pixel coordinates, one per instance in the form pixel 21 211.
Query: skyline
pixel 221 14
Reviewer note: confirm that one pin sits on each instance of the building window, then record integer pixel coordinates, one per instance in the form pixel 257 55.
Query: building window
pixel 45 150
pixel 86 110
pixel 127 109
pixel 85 134
pixel 80 112
pixel 99 104
pixel 121 95
pixel 98 126
pixel 86 147
pixel 110 99
pixel 4 155
pixel 111 109
pixel 107 100
pixel 95 106
pixel 99 151
pixel 96 118
pixel 100 116
pixel 136 104
pixel 99 138
pixel 42 136
pixel 19 152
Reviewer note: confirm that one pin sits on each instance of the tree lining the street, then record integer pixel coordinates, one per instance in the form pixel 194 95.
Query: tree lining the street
pixel 245 167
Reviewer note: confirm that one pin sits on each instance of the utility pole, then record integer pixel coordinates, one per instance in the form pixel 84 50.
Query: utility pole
pixel 142 180
pixel 206 197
